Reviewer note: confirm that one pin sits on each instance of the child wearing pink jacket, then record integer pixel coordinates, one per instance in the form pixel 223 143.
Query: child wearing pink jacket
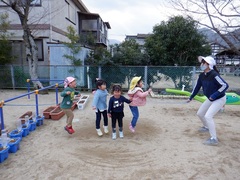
pixel 138 98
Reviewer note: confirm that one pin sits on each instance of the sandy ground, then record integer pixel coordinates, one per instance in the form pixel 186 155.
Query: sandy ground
pixel 166 144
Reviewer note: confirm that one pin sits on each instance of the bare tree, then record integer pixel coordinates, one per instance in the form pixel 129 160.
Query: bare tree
pixel 221 16
pixel 22 8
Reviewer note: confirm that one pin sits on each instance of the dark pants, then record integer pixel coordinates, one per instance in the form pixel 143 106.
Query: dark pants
pixel 117 116
pixel 98 118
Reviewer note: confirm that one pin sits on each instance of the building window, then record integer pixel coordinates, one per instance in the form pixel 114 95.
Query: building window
pixel 36 2
pixel 39 43
pixel 33 3
pixel 71 16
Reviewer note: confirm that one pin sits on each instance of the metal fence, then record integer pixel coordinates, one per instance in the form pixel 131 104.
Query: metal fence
pixel 157 77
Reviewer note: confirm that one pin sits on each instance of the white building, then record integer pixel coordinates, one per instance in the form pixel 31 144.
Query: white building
pixel 48 20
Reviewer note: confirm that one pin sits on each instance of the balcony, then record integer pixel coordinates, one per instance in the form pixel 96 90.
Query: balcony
pixel 93 30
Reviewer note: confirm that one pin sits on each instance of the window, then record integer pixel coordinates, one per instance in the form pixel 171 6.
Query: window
pixel 71 16
pixel 89 24
pixel 33 3
pixel 39 43
pixel 36 2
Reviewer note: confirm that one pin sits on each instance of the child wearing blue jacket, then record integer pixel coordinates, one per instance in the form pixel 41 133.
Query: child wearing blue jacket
pixel 214 88
pixel 99 104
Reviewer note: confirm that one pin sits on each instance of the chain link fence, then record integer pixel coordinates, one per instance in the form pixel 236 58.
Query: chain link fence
pixel 156 77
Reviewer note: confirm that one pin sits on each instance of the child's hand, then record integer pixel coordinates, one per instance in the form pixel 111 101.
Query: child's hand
pixel 109 115
pixel 68 92
pixel 149 90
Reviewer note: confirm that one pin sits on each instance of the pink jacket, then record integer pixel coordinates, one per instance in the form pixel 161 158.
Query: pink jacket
pixel 138 97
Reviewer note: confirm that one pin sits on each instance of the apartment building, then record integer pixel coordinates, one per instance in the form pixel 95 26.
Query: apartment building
pixel 48 21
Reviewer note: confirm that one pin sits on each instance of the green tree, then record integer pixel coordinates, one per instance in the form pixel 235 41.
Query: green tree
pixel 73 45
pixel 129 53
pixel 5 44
pixel 176 42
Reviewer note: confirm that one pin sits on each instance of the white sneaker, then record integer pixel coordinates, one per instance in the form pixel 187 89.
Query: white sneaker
pixel 105 129
pixel 114 136
pixel 121 134
pixel 99 132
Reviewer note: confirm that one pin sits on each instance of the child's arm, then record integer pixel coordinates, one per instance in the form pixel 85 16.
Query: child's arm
pixel 127 100
pixel 95 100
pixel 110 105
pixel 77 93
pixel 143 94
pixel 65 93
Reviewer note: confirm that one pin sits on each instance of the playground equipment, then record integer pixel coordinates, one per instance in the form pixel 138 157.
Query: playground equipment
pixel 12 144
pixel 232 98
pixel 36 92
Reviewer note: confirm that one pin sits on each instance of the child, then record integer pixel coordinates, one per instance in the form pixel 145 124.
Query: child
pixel 100 106
pixel 68 96
pixel 138 98
pixel 115 110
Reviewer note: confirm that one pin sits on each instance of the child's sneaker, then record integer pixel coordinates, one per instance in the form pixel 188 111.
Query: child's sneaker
pixel 68 129
pixel 99 132
pixel 114 136
pixel 131 128
pixel 121 134
pixel 105 128
pixel 72 129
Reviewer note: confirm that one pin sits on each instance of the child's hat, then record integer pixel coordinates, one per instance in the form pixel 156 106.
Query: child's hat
pixel 68 80
pixel 134 82
pixel 208 59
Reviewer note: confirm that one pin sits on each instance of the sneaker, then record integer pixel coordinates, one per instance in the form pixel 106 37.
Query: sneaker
pixel 203 129
pixel 121 134
pixel 72 129
pixel 211 142
pixel 105 129
pixel 99 132
pixel 114 136
pixel 131 128
pixel 68 129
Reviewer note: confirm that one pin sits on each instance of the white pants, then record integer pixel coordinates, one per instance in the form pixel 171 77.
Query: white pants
pixel 206 112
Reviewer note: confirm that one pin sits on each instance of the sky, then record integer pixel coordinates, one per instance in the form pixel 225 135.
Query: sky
pixel 130 17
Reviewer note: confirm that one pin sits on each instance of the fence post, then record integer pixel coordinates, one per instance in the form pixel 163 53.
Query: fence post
pixel 88 79
pixel 193 76
pixel 99 72
pixel 12 75
pixel 56 93
pixel 145 77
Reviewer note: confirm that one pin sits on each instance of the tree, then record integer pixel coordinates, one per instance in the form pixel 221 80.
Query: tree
pixel 5 45
pixel 73 45
pixel 22 8
pixel 129 53
pixel 221 16
pixel 176 42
